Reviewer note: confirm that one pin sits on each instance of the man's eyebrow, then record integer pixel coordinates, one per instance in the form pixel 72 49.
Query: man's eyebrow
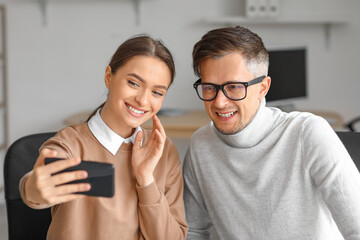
pixel 227 82
pixel 143 81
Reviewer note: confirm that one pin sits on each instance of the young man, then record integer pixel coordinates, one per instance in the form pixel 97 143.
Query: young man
pixel 256 172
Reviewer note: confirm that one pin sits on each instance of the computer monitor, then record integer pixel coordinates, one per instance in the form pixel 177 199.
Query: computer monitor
pixel 287 70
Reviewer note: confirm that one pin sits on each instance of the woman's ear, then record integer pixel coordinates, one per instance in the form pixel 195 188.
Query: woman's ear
pixel 108 75
pixel 265 86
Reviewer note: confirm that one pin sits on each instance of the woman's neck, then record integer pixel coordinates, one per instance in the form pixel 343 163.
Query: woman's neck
pixel 112 122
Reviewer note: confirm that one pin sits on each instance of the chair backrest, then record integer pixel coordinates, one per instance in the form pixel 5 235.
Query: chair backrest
pixel 354 125
pixel 351 141
pixel 23 222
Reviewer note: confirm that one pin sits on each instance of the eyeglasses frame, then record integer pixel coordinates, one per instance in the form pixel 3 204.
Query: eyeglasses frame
pixel 218 87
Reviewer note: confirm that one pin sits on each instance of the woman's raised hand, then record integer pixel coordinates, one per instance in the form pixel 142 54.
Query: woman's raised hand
pixel 42 187
pixel 145 158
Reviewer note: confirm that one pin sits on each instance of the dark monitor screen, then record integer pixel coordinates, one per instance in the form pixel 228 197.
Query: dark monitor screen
pixel 287 70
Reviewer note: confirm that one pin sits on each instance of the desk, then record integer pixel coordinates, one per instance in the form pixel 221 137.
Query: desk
pixel 184 125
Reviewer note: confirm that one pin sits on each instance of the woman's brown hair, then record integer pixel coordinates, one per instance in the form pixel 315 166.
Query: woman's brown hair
pixel 140 45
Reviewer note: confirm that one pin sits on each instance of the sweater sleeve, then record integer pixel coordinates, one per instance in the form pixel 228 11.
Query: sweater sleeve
pixel 23 194
pixel 334 174
pixel 162 214
pixel 196 213
pixel 63 151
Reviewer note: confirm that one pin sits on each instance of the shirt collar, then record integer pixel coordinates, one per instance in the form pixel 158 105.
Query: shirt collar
pixel 107 137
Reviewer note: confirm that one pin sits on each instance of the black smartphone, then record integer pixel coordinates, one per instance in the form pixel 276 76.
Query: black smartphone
pixel 100 176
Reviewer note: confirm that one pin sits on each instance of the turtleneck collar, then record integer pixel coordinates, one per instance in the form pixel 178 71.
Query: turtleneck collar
pixel 254 132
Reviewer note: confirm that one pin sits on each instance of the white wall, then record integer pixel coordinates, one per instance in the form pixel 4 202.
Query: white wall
pixel 57 70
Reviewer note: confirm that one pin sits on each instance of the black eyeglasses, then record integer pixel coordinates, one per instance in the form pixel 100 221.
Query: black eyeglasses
pixel 235 91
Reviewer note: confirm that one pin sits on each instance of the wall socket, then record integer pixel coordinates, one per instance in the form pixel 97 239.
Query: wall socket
pixel 262 8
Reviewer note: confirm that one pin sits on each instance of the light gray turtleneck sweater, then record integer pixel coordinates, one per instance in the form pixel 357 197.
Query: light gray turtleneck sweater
pixel 285 176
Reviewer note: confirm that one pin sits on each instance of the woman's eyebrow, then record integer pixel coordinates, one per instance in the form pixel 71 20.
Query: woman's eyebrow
pixel 143 81
pixel 137 76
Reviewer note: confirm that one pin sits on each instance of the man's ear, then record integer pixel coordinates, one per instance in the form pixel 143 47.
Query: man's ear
pixel 108 75
pixel 265 86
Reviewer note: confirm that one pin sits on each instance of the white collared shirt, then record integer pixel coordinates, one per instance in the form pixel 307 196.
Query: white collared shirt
pixel 107 137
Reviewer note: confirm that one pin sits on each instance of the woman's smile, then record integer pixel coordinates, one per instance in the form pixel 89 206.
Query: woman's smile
pixel 136 112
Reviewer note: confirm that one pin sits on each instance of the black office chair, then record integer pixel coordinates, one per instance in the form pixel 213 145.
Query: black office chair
pixel 351 141
pixel 23 222
pixel 354 125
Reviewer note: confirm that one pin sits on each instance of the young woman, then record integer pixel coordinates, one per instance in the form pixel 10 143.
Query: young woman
pixel 148 198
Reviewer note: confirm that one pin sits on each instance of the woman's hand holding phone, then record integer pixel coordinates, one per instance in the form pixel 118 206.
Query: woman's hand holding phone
pixel 145 158
pixel 43 187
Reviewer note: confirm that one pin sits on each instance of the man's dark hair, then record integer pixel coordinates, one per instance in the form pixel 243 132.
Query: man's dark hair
pixel 222 41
